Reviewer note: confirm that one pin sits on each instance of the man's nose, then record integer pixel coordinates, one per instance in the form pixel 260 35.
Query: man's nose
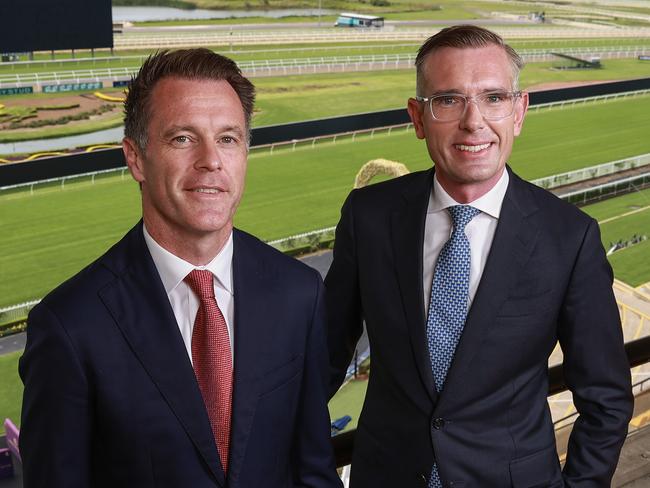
pixel 208 157
pixel 472 120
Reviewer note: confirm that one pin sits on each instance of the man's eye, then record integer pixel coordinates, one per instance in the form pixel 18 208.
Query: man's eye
pixel 181 139
pixel 446 101
pixel 228 140
pixel 495 97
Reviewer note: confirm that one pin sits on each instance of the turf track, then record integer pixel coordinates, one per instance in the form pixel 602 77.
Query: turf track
pixel 54 232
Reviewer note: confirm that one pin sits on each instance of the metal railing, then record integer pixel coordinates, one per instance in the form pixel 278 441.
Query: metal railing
pixel 133 40
pixel 299 65
pixel 608 190
pixel 598 98
pixel 249 67
pixel 15 313
pixel 70 76
pixel 592 172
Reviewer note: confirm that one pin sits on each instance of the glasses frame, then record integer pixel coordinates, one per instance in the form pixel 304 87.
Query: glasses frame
pixel 428 100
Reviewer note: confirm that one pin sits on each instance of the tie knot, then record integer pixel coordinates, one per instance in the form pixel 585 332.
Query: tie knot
pixel 200 281
pixel 461 215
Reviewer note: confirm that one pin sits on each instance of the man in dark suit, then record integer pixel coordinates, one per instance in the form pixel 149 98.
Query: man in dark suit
pixel 191 354
pixel 466 277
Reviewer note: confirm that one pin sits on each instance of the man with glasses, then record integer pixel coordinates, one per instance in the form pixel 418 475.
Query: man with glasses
pixel 466 277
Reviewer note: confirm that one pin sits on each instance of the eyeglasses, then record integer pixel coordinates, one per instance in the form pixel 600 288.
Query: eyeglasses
pixel 447 107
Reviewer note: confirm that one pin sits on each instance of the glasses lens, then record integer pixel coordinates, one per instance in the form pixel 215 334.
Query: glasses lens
pixel 447 107
pixel 496 105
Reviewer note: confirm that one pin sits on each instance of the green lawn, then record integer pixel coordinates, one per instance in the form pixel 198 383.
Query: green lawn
pixel 631 264
pixel 11 388
pixel 55 232
pixel 348 401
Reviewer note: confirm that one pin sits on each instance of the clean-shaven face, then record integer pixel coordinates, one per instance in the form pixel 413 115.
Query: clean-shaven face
pixel 193 169
pixel 470 152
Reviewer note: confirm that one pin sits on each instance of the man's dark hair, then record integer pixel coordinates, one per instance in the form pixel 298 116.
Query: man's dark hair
pixel 462 37
pixel 193 64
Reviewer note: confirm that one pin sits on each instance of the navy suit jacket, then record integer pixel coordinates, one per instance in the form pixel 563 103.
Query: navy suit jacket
pixel 546 279
pixel 111 399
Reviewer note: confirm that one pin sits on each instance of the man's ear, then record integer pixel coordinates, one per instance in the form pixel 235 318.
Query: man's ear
pixel 416 112
pixel 521 107
pixel 133 159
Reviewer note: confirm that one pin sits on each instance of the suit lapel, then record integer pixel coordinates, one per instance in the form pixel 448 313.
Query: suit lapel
pixel 407 232
pixel 139 305
pixel 513 243
pixel 253 284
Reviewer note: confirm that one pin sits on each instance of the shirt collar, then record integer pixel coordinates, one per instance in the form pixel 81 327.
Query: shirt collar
pixel 490 203
pixel 173 270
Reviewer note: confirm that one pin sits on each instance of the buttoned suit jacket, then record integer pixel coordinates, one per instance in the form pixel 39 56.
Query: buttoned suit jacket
pixel 111 399
pixel 546 279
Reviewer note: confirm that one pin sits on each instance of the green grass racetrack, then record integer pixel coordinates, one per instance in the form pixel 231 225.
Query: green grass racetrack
pixel 54 232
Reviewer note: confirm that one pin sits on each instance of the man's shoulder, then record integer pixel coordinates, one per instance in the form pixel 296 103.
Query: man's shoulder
pixel 397 185
pixel 549 205
pixel 81 289
pixel 387 194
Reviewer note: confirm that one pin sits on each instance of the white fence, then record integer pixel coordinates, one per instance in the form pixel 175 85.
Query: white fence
pixel 608 190
pixel 303 65
pixel 592 172
pixel 250 68
pixel 131 40
pixel 599 98
pixel 16 312
pixel 71 76
pixel 62 180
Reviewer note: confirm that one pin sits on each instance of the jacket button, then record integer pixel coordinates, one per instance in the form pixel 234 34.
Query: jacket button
pixel 422 480
pixel 438 423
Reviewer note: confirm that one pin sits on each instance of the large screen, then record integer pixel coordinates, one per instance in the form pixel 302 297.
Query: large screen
pixel 44 25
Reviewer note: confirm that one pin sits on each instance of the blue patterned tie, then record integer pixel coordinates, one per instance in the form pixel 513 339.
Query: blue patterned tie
pixel 449 300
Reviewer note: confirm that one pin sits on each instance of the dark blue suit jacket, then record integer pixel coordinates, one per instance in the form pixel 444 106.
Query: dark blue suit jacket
pixel 546 279
pixel 111 399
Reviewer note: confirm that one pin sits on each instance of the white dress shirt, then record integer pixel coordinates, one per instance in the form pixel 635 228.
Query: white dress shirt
pixel 184 302
pixel 480 232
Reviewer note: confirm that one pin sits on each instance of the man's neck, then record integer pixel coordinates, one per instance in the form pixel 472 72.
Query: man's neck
pixel 465 193
pixel 197 248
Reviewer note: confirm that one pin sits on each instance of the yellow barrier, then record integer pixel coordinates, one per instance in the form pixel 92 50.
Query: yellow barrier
pixel 101 146
pixel 42 155
pixel 108 98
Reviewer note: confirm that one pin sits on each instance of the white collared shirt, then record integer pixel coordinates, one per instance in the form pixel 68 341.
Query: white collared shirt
pixel 480 232
pixel 184 302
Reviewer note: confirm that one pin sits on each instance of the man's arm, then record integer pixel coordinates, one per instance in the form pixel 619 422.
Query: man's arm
pixel 345 321
pixel 595 367
pixel 54 434
pixel 313 455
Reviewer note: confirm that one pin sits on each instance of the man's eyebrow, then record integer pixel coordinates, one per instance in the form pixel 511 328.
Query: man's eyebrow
pixel 454 91
pixel 232 128
pixel 177 128
pixel 170 131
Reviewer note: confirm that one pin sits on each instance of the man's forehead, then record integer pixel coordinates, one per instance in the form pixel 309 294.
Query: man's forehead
pixel 485 67
pixel 196 95
pixel 491 53
pixel 192 86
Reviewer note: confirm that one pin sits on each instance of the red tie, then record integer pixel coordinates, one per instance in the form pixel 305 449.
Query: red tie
pixel 212 360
